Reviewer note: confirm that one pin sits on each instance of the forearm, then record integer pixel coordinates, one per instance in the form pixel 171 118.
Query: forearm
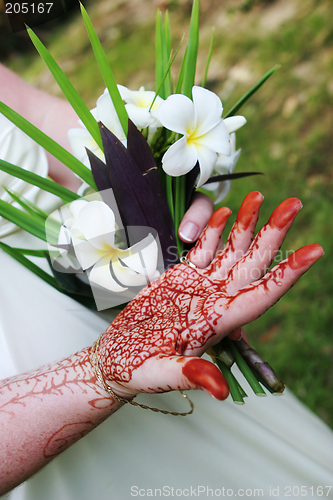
pixel 45 411
pixel 52 115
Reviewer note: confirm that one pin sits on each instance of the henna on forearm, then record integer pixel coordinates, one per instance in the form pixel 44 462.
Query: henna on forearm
pixel 44 411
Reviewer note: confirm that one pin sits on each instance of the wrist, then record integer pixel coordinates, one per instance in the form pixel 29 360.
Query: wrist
pixel 112 388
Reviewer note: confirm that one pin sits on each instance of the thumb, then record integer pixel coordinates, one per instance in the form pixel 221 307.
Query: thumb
pixel 168 373
pixel 203 374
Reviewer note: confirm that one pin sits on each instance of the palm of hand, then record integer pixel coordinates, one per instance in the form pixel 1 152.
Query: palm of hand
pixel 148 347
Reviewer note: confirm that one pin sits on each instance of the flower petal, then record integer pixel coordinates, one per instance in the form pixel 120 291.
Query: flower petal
pixel 227 162
pixel 96 221
pixel 217 139
pixel 107 114
pixel 208 109
pixel 127 277
pixel 180 158
pixel 142 257
pixel 207 159
pixel 219 190
pixel 76 206
pixel 125 93
pixel 101 275
pixel 139 116
pixel 64 238
pixel 233 123
pixel 86 253
pixel 177 113
pixel 224 188
pixel 213 187
pixel 79 139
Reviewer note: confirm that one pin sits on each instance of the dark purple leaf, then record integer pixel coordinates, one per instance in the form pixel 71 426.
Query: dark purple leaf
pixel 99 171
pixel 230 177
pixel 191 177
pixel 137 190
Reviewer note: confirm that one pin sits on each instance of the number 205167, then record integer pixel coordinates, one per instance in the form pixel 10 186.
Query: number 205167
pixel 28 8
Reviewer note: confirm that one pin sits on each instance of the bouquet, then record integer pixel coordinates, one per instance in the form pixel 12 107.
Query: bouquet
pixel 140 155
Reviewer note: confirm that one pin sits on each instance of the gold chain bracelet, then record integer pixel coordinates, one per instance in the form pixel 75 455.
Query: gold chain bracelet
pixel 108 389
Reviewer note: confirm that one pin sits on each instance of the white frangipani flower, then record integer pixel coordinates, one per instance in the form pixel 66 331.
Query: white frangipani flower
pixel 17 148
pixel 91 228
pixel 233 123
pixel 80 138
pixel 138 103
pixel 205 133
pixel 224 165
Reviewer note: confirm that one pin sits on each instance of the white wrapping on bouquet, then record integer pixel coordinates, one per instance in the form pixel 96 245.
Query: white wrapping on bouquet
pixel 265 448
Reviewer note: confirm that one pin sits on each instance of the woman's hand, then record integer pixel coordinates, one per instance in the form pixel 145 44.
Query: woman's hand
pixel 152 346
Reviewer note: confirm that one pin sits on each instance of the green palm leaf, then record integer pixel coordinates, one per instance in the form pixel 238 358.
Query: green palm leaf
pixel 252 91
pixel 31 178
pixel 49 145
pixel 107 74
pixel 17 255
pixel 192 51
pixel 69 91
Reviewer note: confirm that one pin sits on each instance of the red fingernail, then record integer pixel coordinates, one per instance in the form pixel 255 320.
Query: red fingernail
pixel 219 217
pixel 207 376
pixel 285 213
pixel 249 208
pixel 305 256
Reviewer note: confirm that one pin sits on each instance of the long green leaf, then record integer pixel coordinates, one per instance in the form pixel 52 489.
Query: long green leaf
pixel 192 51
pixel 31 178
pixel 32 252
pixel 38 216
pixel 106 71
pixel 49 144
pixel 232 382
pixel 17 255
pixel 23 220
pixel 166 73
pixel 37 209
pixel 166 55
pixel 69 91
pixel 167 33
pixel 53 225
pixel 210 51
pixel 159 55
pixel 250 93
pixel 20 200
pixel 246 370
pixel 181 75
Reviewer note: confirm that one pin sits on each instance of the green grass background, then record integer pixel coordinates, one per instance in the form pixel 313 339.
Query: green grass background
pixel 288 137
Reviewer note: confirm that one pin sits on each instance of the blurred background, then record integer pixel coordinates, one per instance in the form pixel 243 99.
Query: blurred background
pixel 288 136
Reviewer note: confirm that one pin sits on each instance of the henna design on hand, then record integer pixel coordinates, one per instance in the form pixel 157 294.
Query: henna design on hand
pixel 187 310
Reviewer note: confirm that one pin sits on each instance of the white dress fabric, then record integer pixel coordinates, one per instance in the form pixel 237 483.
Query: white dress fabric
pixel 270 447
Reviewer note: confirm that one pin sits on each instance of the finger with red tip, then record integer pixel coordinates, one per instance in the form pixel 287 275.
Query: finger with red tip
pixel 240 236
pixel 204 251
pixel 252 301
pixel 284 215
pixel 167 373
pixel 248 213
pixel 203 374
pixel 306 256
pixel 265 246
pixel 196 218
